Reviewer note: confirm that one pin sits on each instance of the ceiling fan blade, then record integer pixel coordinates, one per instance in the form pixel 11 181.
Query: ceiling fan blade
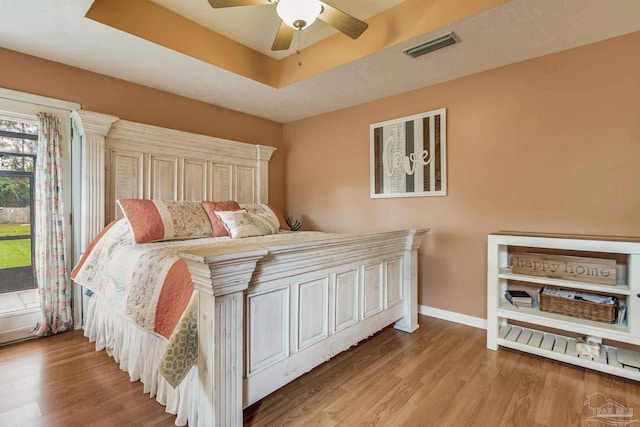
pixel 342 21
pixel 283 37
pixel 233 3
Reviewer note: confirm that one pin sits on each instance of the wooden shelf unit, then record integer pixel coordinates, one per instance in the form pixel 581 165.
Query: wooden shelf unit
pixel 504 321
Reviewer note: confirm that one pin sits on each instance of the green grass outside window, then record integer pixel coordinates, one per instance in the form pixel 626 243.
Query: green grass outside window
pixel 15 253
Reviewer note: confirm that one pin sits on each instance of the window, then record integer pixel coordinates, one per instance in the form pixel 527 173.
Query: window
pixel 18 144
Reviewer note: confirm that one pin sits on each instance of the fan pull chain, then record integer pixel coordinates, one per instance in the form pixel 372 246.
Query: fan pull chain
pixel 298 52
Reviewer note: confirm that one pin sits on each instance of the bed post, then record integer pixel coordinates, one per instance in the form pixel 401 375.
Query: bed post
pixel 89 133
pixel 263 155
pixel 221 280
pixel 92 129
pixel 409 322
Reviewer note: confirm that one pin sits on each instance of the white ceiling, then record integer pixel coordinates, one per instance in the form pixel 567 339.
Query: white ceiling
pixel 518 30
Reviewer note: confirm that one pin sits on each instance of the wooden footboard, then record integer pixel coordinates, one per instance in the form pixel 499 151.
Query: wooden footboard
pixel 269 314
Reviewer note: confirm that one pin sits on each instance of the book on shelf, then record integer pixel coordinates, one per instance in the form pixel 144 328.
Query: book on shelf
pixel 518 298
pixel 524 304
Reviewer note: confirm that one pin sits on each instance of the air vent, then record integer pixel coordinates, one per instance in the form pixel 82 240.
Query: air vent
pixel 431 45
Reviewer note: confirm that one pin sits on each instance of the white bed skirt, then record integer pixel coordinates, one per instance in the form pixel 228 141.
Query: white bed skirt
pixel 138 352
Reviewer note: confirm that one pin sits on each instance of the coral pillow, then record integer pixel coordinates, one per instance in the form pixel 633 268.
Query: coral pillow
pixel 212 207
pixel 156 220
pixel 283 222
pixel 239 224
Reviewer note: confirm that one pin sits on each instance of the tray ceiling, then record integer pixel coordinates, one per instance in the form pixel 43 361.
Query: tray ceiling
pixel 337 72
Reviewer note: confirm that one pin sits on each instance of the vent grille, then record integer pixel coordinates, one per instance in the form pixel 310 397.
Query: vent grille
pixel 431 45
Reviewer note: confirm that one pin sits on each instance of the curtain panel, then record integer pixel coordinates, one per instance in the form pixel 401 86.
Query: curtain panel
pixel 50 264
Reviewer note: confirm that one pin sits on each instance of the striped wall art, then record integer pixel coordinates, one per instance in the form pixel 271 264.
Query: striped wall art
pixel 409 156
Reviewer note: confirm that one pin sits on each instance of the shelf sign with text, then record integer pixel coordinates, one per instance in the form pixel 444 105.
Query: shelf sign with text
pixel 565 267
pixel 408 156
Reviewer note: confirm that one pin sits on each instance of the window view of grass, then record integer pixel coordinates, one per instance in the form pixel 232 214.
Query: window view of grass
pixel 15 253
pixel 18 144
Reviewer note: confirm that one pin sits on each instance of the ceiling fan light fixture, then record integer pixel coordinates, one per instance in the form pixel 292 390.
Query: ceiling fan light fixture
pixel 299 14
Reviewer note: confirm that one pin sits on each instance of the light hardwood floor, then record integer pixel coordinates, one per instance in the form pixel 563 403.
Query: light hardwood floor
pixel 441 375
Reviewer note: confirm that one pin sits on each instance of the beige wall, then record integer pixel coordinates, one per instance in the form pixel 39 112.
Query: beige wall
pixel 138 103
pixel 549 145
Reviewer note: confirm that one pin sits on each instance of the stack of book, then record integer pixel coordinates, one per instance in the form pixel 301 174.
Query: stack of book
pixel 519 298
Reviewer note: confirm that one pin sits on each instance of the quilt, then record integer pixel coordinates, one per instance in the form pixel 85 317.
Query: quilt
pixel 149 284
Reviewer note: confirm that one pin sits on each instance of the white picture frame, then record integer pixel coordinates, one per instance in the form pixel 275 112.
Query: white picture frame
pixel 409 156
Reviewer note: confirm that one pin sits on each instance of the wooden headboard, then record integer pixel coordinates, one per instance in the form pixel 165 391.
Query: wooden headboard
pixel 149 162
pixel 123 159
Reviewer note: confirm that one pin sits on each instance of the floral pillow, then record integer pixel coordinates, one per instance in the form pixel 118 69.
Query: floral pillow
pixel 239 224
pixel 211 208
pixel 264 217
pixel 157 220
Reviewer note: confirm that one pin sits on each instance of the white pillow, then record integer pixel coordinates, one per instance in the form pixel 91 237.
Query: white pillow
pixel 239 224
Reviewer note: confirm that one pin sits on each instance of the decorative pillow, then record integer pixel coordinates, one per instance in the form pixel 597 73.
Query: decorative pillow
pixel 239 224
pixel 281 218
pixel 156 220
pixel 264 217
pixel 211 208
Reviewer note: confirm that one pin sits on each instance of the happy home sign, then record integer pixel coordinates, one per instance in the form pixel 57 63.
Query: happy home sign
pixel 589 270
pixel 408 156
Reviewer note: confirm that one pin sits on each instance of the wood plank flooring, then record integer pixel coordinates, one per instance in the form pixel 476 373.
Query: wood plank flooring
pixel 441 375
pixel 62 381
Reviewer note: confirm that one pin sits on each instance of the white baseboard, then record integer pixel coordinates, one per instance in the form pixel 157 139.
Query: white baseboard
pixel 16 335
pixel 452 316
pixel 18 326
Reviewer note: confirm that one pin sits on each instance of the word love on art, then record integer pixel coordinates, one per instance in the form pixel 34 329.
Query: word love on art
pixel 408 156
pixel 394 159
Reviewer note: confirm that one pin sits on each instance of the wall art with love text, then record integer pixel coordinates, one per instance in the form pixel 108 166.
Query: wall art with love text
pixel 409 156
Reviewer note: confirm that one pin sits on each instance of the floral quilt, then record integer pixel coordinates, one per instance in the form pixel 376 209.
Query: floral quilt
pixel 150 284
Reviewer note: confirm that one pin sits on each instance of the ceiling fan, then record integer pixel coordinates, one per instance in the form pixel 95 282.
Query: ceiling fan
pixel 299 14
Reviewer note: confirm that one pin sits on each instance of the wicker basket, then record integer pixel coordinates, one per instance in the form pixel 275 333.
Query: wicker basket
pixel 576 308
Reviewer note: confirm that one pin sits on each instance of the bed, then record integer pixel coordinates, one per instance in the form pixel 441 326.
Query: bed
pixel 263 309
